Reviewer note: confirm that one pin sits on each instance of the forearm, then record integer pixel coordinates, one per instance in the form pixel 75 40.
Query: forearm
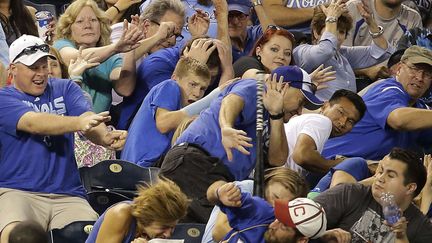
pixel 113 14
pixel 380 41
pixel 312 160
pixel 230 109
pixel 169 120
pixel 48 124
pixel 99 53
pixel 426 198
pixel 409 119
pixel 125 84
pixel 222 26
pixel 145 46
pixel 285 16
pixel 263 18
pixel 212 197
pixel 96 134
pixel 278 146
pixel 196 107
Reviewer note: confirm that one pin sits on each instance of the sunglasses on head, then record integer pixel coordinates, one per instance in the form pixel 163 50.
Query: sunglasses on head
pixel 33 49
pixel 313 86
pixel 272 27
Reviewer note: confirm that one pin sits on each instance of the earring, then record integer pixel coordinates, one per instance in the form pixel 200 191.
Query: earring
pixel 259 58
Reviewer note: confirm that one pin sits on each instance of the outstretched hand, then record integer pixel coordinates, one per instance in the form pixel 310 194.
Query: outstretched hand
pixel 335 9
pixel 198 24
pixel 130 38
pixel 86 123
pixel 273 97
pixel 322 75
pixel 81 63
pixel 115 139
pixel 237 139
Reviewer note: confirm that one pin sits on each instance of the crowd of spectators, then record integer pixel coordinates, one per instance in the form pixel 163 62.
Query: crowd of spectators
pixel 174 84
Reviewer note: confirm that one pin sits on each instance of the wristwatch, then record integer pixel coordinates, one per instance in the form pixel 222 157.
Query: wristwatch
pixel 277 116
pixel 331 19
pixel 256 3
pixel 377 34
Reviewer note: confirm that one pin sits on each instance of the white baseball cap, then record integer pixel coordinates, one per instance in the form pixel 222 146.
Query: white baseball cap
pixel 303 214
pixel 27 49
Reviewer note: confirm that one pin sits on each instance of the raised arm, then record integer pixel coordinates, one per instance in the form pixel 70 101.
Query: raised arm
pixel 115 12
pixel 284 16
pixel 231 107
pixel 263 18
pixel 221 12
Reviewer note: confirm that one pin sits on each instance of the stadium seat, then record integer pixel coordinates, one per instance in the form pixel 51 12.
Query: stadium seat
pixel 102 200
pixel 191 233
pixel 117 176
pixel 75 232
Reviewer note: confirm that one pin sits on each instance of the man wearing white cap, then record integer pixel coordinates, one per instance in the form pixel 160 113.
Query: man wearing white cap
pixel 39 179
pixel 253 219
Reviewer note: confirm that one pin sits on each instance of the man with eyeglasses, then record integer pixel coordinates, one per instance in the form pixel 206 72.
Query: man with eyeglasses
pixel 307 133
pixel 39 179
pixel 395 117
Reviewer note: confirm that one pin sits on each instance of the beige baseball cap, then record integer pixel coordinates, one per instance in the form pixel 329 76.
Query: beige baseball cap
pixel 417 54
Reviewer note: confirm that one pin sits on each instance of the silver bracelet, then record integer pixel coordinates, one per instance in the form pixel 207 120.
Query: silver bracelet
pixel 377 34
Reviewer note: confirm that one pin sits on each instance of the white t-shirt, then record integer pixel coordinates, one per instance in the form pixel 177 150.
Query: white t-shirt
pixel 316 126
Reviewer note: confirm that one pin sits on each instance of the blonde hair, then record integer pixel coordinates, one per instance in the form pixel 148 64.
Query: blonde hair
pixel 63 66
pixel 162 202
pixel 188 65
pixel 288 178
pixel 63 29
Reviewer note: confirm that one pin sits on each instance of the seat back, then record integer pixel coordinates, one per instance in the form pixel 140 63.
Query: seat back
pixel 117 176
pixel 191 233
pixel 75 232
pixel 42 7
pixel 102 200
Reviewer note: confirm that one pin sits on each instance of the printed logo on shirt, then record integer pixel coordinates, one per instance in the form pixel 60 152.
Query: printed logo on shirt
pixel 305 3
pixel 56 107
pixel 370 228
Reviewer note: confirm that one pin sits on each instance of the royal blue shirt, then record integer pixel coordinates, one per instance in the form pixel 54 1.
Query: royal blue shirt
pixel 371 138
pixel 145 143
pixel 251 220
pixel 206 132
pixel 156 68
pixel 40 163
pixel 253 33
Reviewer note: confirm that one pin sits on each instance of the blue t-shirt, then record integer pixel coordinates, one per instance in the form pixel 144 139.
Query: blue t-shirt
pixel 39 163
pixel 254 212
pixel 371 138
pixel 156 68
pixel 96 81
pixel 145 143
pixel 253 33
pixel 130 236
pixel 206 132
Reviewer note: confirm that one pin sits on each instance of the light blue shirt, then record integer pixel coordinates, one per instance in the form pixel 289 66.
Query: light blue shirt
pixel 4 48
pixel 343 61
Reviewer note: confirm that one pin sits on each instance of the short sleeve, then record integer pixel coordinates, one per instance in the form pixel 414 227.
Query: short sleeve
pixel 386 101
pixel 246 89
pixel 75 100
pixel 61 43
pixel 319 129
pixel 11 109
pixel 166 96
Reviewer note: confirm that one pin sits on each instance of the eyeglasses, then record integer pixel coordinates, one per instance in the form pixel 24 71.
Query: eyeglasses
pixel 32 50
pixel 313 86
pixel 238 15
pixel 273 28
pixel 415 70
pixel 178 36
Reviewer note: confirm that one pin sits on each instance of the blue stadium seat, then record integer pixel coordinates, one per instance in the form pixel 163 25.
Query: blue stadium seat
pixel 102 200
pixel 191 233
pixel 75 232
pixel 117 176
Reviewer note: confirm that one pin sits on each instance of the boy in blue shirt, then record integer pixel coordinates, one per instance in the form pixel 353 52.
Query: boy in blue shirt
pixel 159 115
